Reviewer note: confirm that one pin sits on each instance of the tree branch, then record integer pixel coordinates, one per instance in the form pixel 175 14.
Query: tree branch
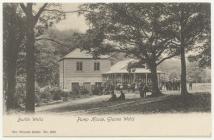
pixel 165 58
pixel 162 47
pixel 50 39
pixel 39 13
pixel 78 11
pixel 23 8
pixel 53 10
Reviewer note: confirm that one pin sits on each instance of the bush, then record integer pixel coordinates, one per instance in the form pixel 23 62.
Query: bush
pixel 95 91
pixel 65 94
pixel 46 94
pixel 56 93
pixel 57 96
pixel 53 93
pixel 84 91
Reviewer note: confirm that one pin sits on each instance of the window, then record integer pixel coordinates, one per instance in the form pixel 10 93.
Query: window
pixel 79 66
pixel 75 87
pixel 87 86
pixel 98 84
pixel 96 66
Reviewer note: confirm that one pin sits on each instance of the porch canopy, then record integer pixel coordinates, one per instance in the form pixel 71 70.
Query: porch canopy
pixel 120 74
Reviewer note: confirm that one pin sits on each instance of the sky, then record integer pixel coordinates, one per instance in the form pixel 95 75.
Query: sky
pixel 73 20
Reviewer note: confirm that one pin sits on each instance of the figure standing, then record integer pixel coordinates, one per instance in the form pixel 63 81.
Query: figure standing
pixel 190 85
pixel 141 90
pixel 122 95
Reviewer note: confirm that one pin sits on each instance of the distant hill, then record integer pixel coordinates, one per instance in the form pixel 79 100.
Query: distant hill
pixel 115 57
pixel 172 65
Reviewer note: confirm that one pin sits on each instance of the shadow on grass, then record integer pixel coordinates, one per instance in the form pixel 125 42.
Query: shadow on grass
pixel 172 104
pixel 199 102
pixel 88 106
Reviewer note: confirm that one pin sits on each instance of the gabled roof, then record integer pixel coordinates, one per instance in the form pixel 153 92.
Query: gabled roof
pixel 82 54
pixel 121 67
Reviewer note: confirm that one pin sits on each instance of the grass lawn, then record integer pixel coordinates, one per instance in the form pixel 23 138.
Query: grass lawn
pixel 87 106
pixel 199 102
pixel 172 104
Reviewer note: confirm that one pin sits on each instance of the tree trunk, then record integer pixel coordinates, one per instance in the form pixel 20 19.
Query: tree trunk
pixel 11 74
pixel 182 51
pixel 154 79
pixel 11 59
pixel 30 63
pixel 183 72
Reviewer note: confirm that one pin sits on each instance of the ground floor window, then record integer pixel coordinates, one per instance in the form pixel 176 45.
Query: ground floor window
pixel 98 84
pixel 75 87
pixel 86 88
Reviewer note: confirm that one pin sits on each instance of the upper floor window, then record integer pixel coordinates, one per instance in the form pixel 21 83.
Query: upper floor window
pixel 79 66
pixel 96 66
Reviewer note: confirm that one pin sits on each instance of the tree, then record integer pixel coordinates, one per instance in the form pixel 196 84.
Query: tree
pixel 139 30
pixel 202 53
pixel 35 20
pixel 203 57
pixel 191 23
pixel 46 64
pixel 50 47
pixel 198 74
pixel 13 36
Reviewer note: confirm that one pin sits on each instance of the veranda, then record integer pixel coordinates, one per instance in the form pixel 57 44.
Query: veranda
pixel 125 77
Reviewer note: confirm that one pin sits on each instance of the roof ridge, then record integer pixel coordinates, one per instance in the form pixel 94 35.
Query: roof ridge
pixel 79 53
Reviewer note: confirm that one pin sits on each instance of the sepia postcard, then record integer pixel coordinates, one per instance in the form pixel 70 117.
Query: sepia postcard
pixel 107 69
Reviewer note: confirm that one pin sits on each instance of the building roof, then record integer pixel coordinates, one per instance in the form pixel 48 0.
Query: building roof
pixel 78 53
pixel 121 67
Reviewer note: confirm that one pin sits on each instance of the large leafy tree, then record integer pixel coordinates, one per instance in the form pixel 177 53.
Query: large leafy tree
pixel 50 47
pixel 203 56
pixel 202 53
pixel 195 73
pixel 140 30
pixel 191 26
pixel 13 37
pixel 36 21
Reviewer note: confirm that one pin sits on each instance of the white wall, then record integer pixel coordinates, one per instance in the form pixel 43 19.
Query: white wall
pixel 86 75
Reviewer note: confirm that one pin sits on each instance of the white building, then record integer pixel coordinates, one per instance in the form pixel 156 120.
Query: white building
pixel 79 68
pixel 119 73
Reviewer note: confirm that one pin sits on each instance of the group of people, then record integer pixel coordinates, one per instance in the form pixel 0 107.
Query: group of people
pixel 171 85
pixel 141 86
pixel 174 85
pixel 115 98
pixel 143 89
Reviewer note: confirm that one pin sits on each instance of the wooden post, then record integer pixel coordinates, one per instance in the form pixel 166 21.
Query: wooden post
pixel 134 78
pixel 63 76
pixel 159 80
pixel 146 79
pixel 121 77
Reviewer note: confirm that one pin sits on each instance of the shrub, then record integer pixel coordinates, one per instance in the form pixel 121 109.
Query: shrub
pixel 46 94
pixel 95 91
pixel 84 91
pixel 65 94
pixel 57 96
pixel 56 93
